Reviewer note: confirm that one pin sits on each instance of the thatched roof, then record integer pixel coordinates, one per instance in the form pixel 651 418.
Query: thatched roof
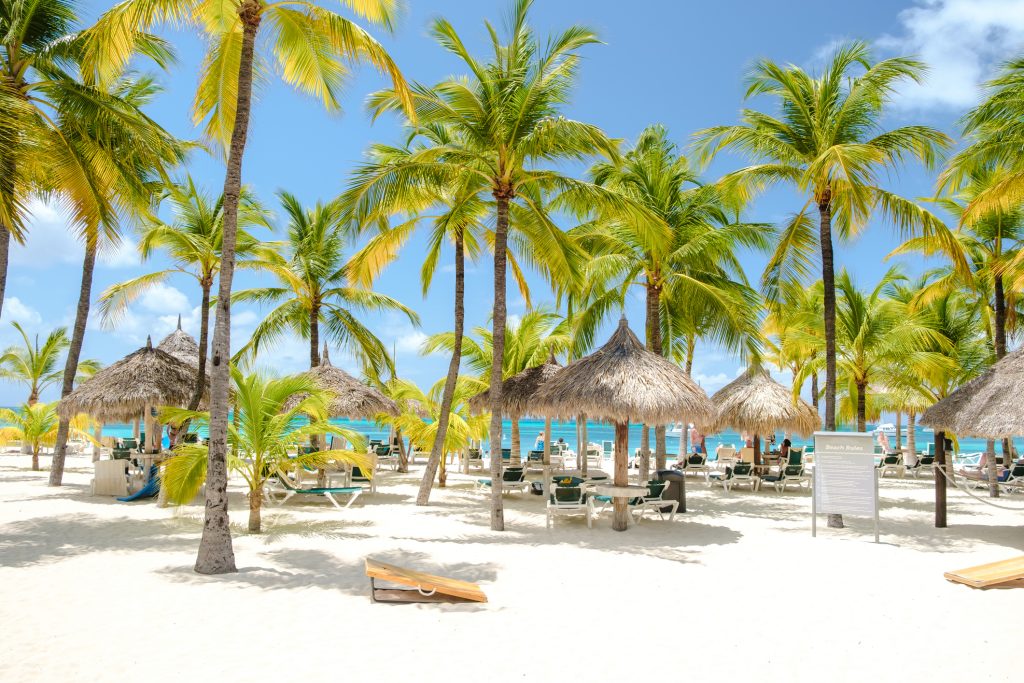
pixel 756 403
pixel 148 377
pixel 518 392
pixel 987 407
pixel 352 398
pixel 624 382
pixel 181 345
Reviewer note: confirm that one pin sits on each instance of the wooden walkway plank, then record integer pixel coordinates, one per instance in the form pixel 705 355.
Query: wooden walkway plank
pixel 990 574
pixel 427 584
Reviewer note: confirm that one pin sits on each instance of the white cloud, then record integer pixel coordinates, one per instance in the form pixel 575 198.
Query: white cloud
pixel 962 41
pixel 16 311
pixel 410 342
pixel 49 240
pixel 165 299
pixel 711 383
pixel 125 255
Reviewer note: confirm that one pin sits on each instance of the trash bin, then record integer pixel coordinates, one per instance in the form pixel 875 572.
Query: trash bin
pixel 676 489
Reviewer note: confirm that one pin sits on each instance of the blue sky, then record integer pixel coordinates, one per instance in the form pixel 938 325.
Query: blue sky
pixel 676 63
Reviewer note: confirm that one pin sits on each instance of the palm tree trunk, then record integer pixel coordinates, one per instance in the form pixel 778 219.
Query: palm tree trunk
pixel 502 196
pixel 644 466
pixel 255 503
pixel 60 446
pixel 620 506
pixel 862 406
pixel 911 428
pixel 35 458
pixel 814 391
pixel 314 335
pixel 991 468
pixel 5 255
pixel 999 339
pixel 437 449
pixel 403 455
pixel 216 555
pixel 691 347
pixel 654 344
pixel 899 431
pixel 517 450
pixel 204 342
pixel 828 278
pixel 585 440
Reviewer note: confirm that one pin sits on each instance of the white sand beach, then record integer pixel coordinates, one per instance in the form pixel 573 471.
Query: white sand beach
pixel 95 590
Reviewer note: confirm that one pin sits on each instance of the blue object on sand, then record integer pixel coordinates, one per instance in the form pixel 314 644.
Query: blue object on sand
pixel 151 488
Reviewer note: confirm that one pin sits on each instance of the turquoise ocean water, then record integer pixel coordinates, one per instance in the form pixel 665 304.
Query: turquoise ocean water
pixel 599 432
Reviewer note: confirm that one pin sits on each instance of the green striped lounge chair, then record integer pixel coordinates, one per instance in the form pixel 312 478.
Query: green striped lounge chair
pixel 280 489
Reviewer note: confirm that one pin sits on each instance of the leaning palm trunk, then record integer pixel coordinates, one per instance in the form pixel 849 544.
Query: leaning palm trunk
pixel 216 556
pixel 828 277
pixel 437 449
pixel 60 446
pixel 204 341
pixel 502 197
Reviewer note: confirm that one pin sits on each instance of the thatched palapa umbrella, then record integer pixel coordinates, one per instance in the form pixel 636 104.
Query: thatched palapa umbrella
pixel 518 397
pixel 135 384
pixel 623 382
pixel 181 345
pixel 988 407
pixel 352 398
pixel 756 403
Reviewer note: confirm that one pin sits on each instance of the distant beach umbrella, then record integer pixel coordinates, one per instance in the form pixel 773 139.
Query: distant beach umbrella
pixel 352 399
pixel 757 404
pixel 623 382
pixel 181 345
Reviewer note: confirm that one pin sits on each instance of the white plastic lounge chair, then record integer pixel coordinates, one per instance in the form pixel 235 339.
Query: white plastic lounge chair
pixel 570 500
pixel 696 463
pixel 746 455
pixel 741 473
pixel 925 463
pixel 891 462
pixel 474 460
pixel 595 456
pixel 654 501
pixel 788 475
pixel 725 456
pixel 284 487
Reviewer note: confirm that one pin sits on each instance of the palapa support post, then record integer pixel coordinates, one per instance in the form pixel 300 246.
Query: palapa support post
pixel 546 469
pixel 620 505
pixel 583 447
pixel 940 479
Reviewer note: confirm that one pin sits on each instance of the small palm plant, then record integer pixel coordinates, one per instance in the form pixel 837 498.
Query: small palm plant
pixel 35 425
pixel 36 366
pixel 421 412
pixel 270 412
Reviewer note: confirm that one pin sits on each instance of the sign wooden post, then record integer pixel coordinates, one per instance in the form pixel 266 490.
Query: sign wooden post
pixel 845 478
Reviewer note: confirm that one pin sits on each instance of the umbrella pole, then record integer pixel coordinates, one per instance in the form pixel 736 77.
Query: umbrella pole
pixel 584 445
pixel 546 470
pixel 620 505
pixel 940 479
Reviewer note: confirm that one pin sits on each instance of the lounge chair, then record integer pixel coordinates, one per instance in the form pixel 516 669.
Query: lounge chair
pixel 569 499
pixel 696 463
pixel 925 463
pixel 281 485
pixel 891 462
pixel 595 456
pixel 422 587
pixel 1015 480
pixel 386 455
pixel 474 459
pixel 654 501
pixel 740 473
pixel 725 456
pixel 746 455
pixel 535 459
pixel 512 479
pixel 789 475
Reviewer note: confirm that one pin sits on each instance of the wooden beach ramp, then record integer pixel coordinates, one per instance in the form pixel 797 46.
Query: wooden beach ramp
pixel 1002 574
pixel 422 587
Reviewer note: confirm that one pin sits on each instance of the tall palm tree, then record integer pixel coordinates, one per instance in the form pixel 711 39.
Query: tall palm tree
pixel 268 412
pixel 505 122
pixel 830 144
pixel 457 213
pixel 36 366
pixel 312 47
pixel 795 316
pixel 193 243
pixel 687 257
pixel 529 341
pixel 54 122
pixel 313 289
pixel 35 425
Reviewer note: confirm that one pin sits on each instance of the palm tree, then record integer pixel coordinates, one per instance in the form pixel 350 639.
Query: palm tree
pixel 313 289
pixel 876 333
pixel 312 47
pixel 529 341
pixel 456 214
pixel 35 425
pixel 687 257
pixel 796 315
pixel 830 144
pixel 463 427
pixel 505 124
pixel 36 366
pixel 193 243
pixel 269 414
